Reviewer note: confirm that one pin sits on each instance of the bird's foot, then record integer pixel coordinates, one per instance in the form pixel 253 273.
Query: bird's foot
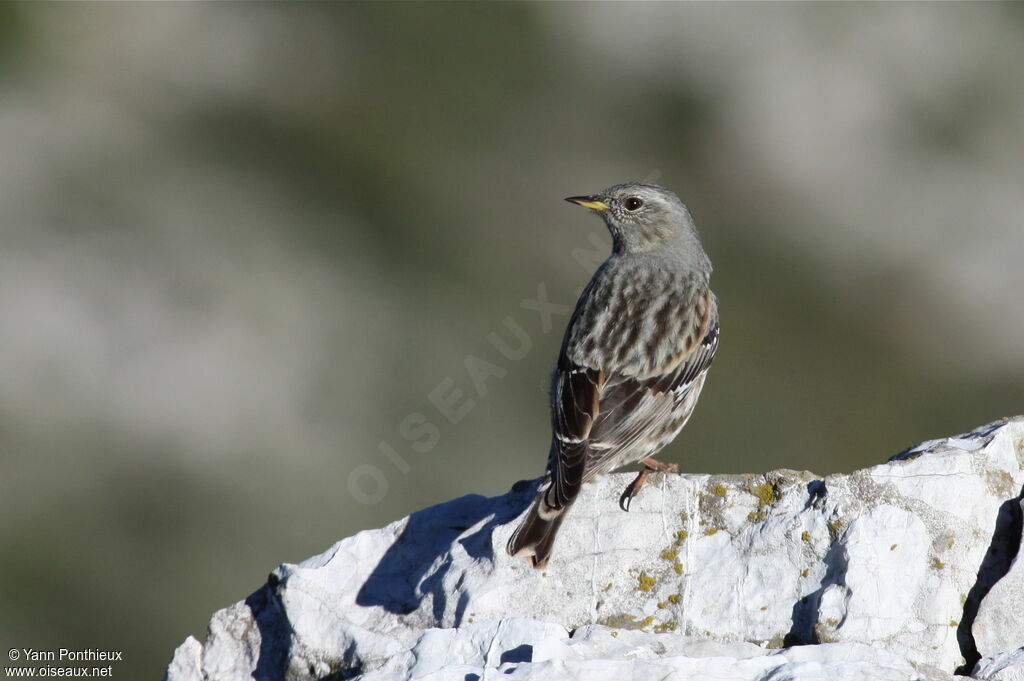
pixel 650 466
pixel 659 467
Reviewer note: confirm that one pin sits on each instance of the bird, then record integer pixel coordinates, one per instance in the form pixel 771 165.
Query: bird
pixel 633 358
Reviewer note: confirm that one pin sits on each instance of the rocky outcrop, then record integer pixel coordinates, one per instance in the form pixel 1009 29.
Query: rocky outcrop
pixel 906 570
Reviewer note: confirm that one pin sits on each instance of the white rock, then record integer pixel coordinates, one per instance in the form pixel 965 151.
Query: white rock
pixel 527 649
pixel 880 571
pixel 997 628
pixel 1008 666
pixel 187 662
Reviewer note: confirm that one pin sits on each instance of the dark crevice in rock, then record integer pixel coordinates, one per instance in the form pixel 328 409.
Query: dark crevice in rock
pixel 1002 550
pixel 817 492
pixel 801 632
pixel 275 633
pixel 805 611
pixel 519 654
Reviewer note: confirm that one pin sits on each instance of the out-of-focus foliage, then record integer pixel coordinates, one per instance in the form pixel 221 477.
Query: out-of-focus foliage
pixel 241 244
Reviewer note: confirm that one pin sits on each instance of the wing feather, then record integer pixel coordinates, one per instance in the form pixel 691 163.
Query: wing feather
pixel 606 420
pixel 576 398
pixel 639 416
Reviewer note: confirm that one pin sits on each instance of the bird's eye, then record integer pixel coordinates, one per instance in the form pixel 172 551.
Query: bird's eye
pixel 632 203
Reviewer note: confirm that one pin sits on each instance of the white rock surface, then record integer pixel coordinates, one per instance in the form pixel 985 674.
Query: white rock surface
pixel 1008 666
pixel 527 649
pixel 877 574
pixel 997 626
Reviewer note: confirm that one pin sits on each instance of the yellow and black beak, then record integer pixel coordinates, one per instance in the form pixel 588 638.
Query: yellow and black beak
pixel 591 202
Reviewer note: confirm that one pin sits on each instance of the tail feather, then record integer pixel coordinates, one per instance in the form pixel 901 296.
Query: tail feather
pixel 535 536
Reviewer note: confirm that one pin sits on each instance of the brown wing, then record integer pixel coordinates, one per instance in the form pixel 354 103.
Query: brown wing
pixel 576 393
pixel 603 420
pixel 639 416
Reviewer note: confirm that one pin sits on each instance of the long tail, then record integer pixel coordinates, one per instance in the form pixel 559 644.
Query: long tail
pixel 535 536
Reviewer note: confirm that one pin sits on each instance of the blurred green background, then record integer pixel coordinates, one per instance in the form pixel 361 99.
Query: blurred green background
pixel 241 243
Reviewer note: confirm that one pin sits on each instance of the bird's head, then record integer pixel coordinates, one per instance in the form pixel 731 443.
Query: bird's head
pixel 641 217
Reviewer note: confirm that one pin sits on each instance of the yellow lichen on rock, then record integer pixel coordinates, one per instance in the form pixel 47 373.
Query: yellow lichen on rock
pixel 645 582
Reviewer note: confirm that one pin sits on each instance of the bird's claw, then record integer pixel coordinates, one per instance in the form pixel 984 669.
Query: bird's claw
pixel 626 498
pixel 650 466
pixel 632 489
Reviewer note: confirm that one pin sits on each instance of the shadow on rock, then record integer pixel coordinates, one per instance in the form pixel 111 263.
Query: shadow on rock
pixel 805 610
pixel 275 634
pixel 414 567
pixel 1002 550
